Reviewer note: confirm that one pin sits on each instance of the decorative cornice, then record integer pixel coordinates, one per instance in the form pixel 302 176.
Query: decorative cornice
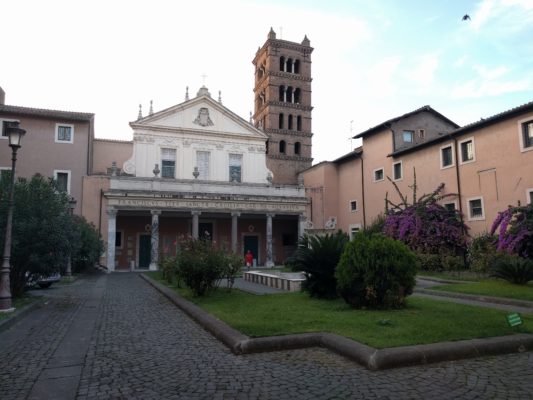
pixel 287 132
pixel 284 104
pixel 289 158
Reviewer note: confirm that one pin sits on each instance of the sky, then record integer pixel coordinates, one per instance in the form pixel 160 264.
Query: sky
pixel 372 60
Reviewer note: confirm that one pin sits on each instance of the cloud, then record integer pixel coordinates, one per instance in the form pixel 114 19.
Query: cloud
pixel 460 61
pixel 483 13
pixel 424 73
pixel 477 89
pixel 504 15
pixel 492 73
pixel 380 77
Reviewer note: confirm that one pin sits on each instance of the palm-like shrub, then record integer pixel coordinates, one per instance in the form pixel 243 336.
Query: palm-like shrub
pixel 376 271
pixel 317 257
pixel 513 269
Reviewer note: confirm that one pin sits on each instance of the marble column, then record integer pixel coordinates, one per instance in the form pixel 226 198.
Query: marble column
pixel 154 240
pixel 302 223
pixel 195 220
pixel 234 219
pixel 269 255
pixel 111 237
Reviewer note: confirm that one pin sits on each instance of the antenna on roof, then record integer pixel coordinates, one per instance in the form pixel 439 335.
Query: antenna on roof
pixel 281 32
pixel 351 135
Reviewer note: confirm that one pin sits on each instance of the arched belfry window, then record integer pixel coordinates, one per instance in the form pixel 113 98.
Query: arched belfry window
pixel 288 95
pixel 281 119
pixel 282 92
pixel 282 146
pixel 289 125
pixel 299 123
pixel 289 65
pixel 296 68
pixel 282 64
pixel 297 96
pixel 297 148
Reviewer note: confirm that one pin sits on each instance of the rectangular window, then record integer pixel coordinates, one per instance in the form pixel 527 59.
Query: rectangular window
pixel 202 162
pixel 378 175
pixel 475 209
pixel 449 206
pixel 527 134
pixel 397 171
pixel 62 179
pixel 421 134
pixel 235 167
pixel 446 156
pixel 467 151
pixel 5 174
pixel 64 133
pixel 354 229
pixel 529 196
pixel 168 163
pixel 408 136
pixel 353 205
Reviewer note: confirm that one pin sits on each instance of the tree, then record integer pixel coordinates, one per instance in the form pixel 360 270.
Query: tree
pixel 425 225
pixel 41 228
pixel 318 256
pixel 86 243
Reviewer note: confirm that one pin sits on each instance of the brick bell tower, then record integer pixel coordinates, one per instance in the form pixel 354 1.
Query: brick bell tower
pixel 283 105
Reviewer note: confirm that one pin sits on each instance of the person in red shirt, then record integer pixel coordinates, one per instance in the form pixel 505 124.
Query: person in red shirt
pixel 249 259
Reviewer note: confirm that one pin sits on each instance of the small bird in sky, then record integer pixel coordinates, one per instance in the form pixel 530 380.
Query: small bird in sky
pixel 466 17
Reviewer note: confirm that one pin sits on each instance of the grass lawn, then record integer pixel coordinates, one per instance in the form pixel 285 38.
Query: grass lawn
pixel 423 321
pixel 18 304
pixel 492 287
pixel 453 275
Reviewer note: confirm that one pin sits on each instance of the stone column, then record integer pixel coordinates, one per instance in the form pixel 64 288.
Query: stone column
pixel 234 216
pixel 269 256
pixel 111 236
pixel 154 239
pixel 195 218
pixel 284 94
pixel 302 223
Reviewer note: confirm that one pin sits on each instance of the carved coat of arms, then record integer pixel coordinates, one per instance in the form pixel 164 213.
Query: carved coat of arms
pixel 203 117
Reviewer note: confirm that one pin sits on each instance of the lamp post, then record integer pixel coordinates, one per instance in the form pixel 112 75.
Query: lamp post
pixel 15 135
pixel 71 206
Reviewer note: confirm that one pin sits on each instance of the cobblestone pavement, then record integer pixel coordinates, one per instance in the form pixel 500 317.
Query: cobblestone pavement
pixel 142 347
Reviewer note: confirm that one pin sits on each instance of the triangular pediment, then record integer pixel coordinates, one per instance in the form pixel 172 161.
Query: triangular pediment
pixel 201 114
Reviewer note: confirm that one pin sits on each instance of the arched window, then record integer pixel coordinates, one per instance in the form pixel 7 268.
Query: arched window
pixel 282 64
pixel 282 91
pixel 297 148
pixel 282 146
pixel 288 96
pixel 289 65
pixel 289 125
pixel 281 118
pixel 296 68
pixel 266 146
pixel 299 123
pixel 297 96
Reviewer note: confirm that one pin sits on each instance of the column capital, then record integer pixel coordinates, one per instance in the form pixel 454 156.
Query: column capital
pixel 196 212
pixel 302 217
pixel 155 212
pixel 112 211
pixel 235 213
pixel 270 215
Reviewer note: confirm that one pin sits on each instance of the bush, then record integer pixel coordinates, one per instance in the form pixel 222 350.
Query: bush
pixel 513 269
pixel 376 272
pixel 200 266
pixel 429 262
pixel 232 266
pixel 170 270
pixel 317 257
pixel 482 253
pixel 451 262
pixel 86 244
pixel 515 230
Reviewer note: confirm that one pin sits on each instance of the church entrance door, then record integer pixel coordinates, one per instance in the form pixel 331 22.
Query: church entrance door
pixel 252 243
pixel 145 247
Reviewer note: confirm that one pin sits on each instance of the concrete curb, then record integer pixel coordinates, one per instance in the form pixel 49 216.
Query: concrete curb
pixel 371 358
pixel 485 299
pixel 17 315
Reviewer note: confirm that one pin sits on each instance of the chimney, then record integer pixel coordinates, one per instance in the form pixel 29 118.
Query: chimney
pixel 2 97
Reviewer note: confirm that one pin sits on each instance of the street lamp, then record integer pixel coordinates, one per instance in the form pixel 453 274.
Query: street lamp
pixel 71 206
pixel 15 135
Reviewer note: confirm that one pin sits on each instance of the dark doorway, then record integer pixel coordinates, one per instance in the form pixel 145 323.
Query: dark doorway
pixel 252 243
pixel 205 230
pixel 145 249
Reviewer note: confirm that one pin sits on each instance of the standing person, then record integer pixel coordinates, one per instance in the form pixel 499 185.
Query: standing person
pixel 249 259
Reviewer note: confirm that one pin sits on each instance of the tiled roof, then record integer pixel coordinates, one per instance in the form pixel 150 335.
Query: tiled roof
pixel 387 123
pixel 40 112
pixel 483 122
pixel 355 153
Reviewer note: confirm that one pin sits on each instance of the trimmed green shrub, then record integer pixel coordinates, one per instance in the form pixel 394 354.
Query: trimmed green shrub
pixel 452 262
pixel 232 267
pixel 376 272
pixel 482 253
pixel 170 270
pixel 317 256
pixel 200 266
pixel 513 269
pixel 429 262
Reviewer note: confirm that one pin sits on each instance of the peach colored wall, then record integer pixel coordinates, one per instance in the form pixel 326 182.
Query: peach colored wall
pixel 41 154
pixel 349 188
pixel 107 151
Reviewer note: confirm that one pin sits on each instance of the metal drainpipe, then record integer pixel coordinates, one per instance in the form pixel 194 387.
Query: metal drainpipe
pixel 363 189
pixel 100 213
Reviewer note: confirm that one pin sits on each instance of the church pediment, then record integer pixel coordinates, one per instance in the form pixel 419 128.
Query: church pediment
pixel 201 114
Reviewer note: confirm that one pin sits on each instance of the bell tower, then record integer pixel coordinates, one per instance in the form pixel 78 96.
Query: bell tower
pixel 282 105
